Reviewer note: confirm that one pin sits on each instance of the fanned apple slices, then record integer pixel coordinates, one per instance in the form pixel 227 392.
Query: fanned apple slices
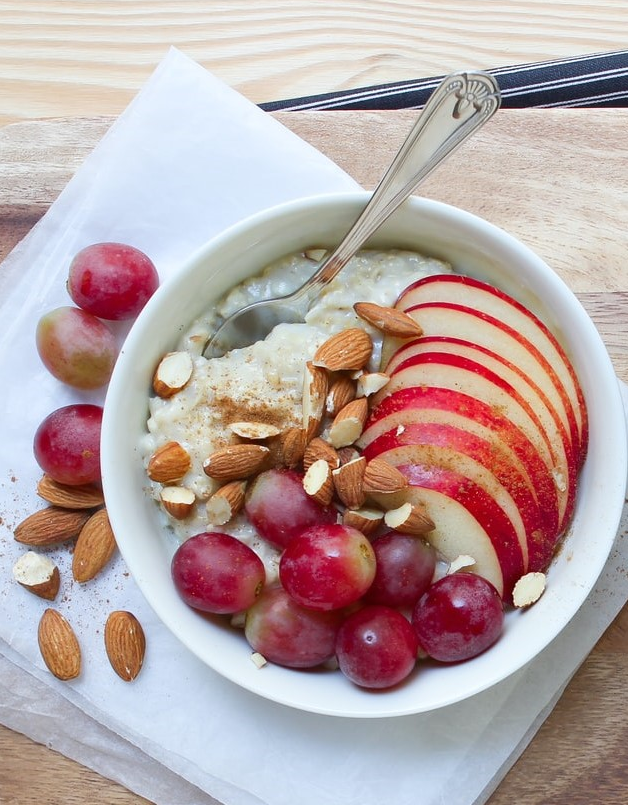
pixel 485 417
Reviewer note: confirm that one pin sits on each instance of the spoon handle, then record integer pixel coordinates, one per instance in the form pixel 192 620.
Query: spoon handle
pixel 458 107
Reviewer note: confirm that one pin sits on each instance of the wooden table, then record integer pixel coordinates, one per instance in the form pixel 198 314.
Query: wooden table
pixel 76 58
pixel 82 62
pixel 577 221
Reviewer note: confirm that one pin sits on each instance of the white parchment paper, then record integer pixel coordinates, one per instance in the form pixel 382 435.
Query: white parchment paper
pixel 186 159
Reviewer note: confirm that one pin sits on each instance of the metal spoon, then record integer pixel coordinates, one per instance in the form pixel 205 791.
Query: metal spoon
pixel 457 108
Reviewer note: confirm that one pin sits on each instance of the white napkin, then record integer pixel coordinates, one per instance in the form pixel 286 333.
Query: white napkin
pixel 188 157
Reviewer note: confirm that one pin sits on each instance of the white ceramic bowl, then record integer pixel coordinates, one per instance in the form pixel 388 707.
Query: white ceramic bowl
pixel 472 246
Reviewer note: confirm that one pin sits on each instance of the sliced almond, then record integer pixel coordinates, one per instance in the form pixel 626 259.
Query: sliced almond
pixel 370 383
pixel 50 525
pixel 409 518
pixel 349 423
pixel 460 563
pixel 315 385
pixel 528 589
pixel 169 463
pixel 38 574
pixel 226 502
pixel 254 430
pixel 94 547
pixel 58 645
pixel 258 660
pixel 236 462
pixel 292 446
pixel 315 254
pixel 348 483
pixel 388 320
pixel 348 349
pixel 318 448
pixel 178 501
pixel 125 644
pixel 365 520
pixel 318 482
pixel 340 393
pixel 173 373
pixel 348 453
pixel 380 476
pixel 85 496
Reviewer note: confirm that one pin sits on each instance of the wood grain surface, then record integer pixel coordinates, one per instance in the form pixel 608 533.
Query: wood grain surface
pixel 559 181
pixel 78 58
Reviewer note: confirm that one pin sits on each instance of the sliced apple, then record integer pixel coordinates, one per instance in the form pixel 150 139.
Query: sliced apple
pixel 467 521
pixel 461 374
pixel 477 459
pixel 555 427
pixel 499 307
pixel 442 406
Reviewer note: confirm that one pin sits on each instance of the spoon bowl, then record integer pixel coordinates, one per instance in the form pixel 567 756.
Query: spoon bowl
pixel 457 108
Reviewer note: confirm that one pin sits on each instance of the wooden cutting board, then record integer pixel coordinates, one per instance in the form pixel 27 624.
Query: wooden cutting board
pixel 556 179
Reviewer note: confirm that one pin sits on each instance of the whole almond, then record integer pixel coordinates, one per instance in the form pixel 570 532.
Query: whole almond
pixel 86 496
pixel 380 476
pixel 347 350
pixel 50 526
pixel 169 463
pixel 58 645
pixel 125 644
pixel 318 448
pixel 388 320
pixel 340 393
pixel 94 547
pixel 235 462
pixel 292 446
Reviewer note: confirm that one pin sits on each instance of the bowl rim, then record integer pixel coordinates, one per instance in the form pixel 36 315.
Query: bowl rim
pixel 112 453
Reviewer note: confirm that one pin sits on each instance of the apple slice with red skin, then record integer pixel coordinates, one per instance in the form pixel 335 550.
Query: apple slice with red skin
pixel 458 373
pixel 528 390
pixel 459 321
pixel 449 406
pixel 474 293
pixel 467 521
pixel 481 461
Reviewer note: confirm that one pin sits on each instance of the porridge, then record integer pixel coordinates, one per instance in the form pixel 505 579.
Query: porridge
pixel 263 382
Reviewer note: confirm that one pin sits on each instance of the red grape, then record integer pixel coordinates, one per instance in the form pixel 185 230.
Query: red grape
pixel 288 634
pixel 279 508
pixel 76 347
pixel 215 572
pixel 376 647
pixel 327 566
pixel 458 617
pixel 405 568
pixel 67 444
pixel 112 280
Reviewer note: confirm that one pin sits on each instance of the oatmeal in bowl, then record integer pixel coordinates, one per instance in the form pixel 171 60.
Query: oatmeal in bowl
pixel 466 445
